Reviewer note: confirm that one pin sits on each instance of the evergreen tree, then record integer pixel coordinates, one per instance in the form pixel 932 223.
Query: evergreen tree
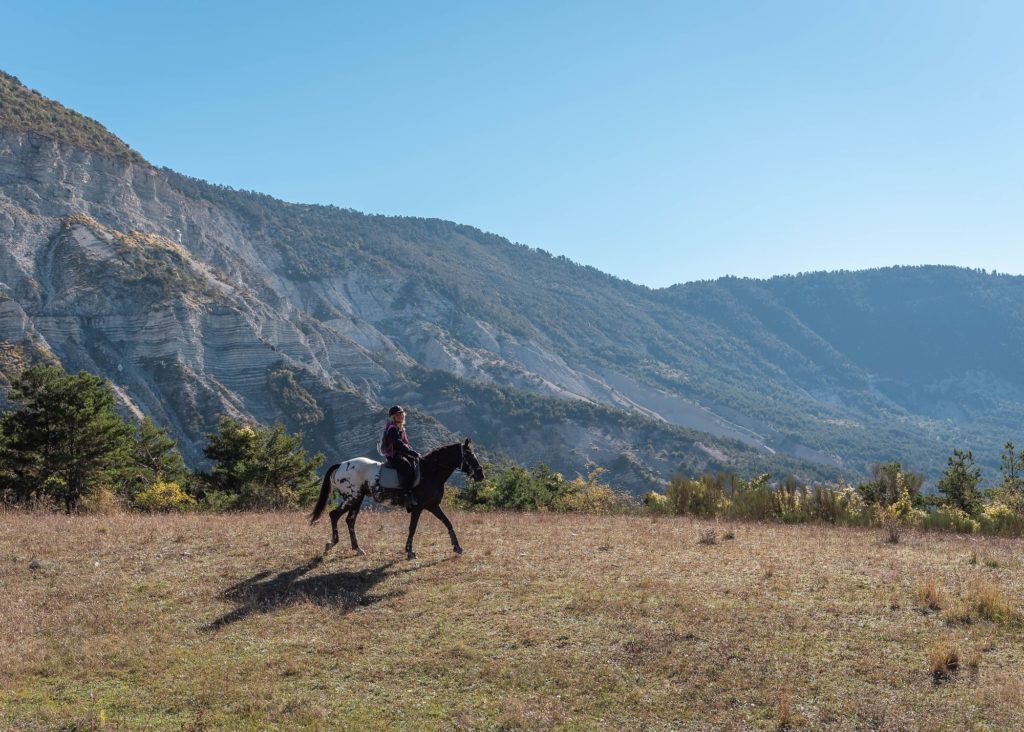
pixel 1013 469
pixel 283 474
pixel 229 448
pixel 261 468
pixel 960 483
pixel 66 438
pixel 1011 491
pixel 155 459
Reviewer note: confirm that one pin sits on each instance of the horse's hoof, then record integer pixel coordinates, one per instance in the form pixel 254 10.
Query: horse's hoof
pixel 360 552
pixel 457 549
pixel 410 555
pixel 327 548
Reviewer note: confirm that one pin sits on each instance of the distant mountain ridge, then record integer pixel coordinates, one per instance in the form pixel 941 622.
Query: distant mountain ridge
pixel 198 300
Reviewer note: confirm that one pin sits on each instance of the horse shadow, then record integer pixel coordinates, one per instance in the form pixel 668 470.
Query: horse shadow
pixel 265 592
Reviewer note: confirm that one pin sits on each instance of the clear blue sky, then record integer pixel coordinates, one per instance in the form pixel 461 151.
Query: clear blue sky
pixel 662 142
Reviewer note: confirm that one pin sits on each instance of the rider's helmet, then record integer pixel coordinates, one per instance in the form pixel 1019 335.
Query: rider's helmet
pixel 395 410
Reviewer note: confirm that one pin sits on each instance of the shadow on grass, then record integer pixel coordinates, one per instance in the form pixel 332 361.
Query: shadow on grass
pixel 266 592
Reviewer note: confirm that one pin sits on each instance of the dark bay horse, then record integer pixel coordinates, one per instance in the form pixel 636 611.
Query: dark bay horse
pixel 353 480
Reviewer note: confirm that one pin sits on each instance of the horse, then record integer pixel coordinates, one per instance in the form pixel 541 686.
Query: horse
pixel 353 480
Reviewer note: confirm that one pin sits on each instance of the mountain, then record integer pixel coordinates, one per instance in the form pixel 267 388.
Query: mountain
pixel 198 300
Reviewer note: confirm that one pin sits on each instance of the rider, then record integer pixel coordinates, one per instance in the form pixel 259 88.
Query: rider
pixel 399 453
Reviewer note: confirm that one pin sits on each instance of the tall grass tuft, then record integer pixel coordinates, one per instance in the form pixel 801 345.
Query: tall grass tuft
pixel 944 660
pixel 784 706
pixel 989 602
pixel 930 595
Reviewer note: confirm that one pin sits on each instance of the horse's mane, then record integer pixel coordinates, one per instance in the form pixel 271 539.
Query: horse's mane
pixel 434 453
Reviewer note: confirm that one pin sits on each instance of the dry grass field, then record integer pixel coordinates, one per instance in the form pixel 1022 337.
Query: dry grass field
pixel 547 622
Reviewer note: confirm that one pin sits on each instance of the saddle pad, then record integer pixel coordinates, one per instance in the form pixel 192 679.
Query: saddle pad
pixel 388 478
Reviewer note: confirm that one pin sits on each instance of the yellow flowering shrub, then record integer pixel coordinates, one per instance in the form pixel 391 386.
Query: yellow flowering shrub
pixel 164 497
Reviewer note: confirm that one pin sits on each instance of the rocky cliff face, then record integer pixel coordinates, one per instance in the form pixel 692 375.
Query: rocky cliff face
pixel 193 312
pixel 198 301
pixel 97 278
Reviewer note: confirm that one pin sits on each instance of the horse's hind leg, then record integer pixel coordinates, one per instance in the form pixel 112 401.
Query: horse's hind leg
pixel 335 515
pixel 436 510
pixel 350 520
pixel 414 518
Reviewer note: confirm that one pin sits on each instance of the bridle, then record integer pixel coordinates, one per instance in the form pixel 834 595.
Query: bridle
pixel 465 467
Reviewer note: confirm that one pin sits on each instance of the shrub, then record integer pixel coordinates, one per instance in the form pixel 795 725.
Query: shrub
pixel 515 487
pixel 592 496
pixel 951 518
pixel 897 516
pixel 694 497
pixel 727 496
pixel 889 483
pixel 656 502
pixel 999 518
pixel 217 501
pixel 102 500
pixel 853 511
pixel 163 497
pixel 756 500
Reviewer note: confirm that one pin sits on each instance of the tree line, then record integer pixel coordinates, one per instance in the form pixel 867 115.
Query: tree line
pixel 66 444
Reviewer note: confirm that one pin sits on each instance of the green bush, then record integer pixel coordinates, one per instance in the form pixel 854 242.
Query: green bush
pixel 840 505
pixel 541 489
pixel 951 518
pixel 217 501
pixel 515 487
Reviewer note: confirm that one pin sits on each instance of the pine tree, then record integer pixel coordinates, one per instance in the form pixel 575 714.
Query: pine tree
pixel 1011 492
pixel 261 468
pixel 1013 469
pixel 283 476
pixel 66 439
pixel 229 448
pixel 960 483
pixel 155 459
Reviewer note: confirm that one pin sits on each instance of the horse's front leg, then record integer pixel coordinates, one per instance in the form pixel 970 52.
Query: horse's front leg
pixel 350 520
pixel 413 520
pixel 436 510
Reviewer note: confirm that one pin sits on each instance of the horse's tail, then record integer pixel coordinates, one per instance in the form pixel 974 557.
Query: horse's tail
pixel 325 491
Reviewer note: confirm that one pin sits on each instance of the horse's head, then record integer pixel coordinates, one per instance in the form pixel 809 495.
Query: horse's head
pixel 470 465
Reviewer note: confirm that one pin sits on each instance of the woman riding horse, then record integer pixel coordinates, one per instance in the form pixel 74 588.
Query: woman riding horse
pixel 398 451
pixel 354 479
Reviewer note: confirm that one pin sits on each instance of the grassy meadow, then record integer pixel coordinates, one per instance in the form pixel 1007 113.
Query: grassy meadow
pixel 548 621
